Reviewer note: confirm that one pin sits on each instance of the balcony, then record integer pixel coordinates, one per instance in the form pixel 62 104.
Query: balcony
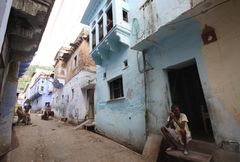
pixel 110 29
pixel 116 38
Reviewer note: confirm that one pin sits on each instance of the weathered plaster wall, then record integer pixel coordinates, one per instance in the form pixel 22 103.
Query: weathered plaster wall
pixel 152 15
pixel 222 62
pixel 84 61
pixel 7 108
pixel 217 66
pixel 182 46
pixel 121 119
pixel 73 106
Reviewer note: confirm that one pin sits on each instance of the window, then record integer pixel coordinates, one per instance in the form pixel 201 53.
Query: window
pixel 94 22
pixel 109 19
pixel 42 88
pixel 93 38
pixel 125 15
pixel 72 93
pixel 100 14
pixel 125 63
pixel 67 98
pixel 47 103
pixel 104 75
pixel 108 2
pixel 100 29
pixel 116 88
pixel 75 61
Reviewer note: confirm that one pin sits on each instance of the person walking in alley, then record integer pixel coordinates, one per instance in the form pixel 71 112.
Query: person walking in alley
pixel 176 130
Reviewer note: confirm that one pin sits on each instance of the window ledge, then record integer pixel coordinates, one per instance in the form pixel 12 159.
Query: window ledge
pixel 116 99
pixel 125 67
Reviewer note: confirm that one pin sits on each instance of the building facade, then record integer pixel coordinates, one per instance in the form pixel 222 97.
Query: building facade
pixel 75 69
pixel 21 27
pixel 120 111
pixel 157 53
pixel 40 89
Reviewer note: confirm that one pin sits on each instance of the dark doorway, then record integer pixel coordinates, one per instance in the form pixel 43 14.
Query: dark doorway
pixel 186 91
pixel 90 98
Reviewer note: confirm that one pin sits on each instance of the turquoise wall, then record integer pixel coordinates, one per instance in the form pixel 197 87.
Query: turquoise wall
pixel 121 119
pixel 183 44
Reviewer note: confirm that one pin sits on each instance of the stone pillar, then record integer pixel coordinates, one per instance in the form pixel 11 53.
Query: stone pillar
pixel 7 107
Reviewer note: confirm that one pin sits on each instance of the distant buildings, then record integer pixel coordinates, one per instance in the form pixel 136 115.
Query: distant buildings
pixel 40 89
pixel 75 69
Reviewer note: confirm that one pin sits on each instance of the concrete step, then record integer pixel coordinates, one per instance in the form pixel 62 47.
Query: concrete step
pixel 202 146
pixel 192 156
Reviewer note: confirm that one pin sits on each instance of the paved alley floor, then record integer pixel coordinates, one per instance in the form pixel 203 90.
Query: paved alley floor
pixel 54 141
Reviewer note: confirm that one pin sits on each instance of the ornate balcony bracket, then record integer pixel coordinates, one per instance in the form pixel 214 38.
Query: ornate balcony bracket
pixel 116 39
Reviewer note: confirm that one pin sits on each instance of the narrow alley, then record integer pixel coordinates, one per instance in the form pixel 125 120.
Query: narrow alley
pixel 150 80
pixel 56 141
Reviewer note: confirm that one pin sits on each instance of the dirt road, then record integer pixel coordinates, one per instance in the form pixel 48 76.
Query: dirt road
pixel 54 141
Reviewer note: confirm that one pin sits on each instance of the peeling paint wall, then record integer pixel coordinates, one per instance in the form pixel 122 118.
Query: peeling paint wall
pixel 7 108
pixel 217 63
pixel 122 119
pixel 83 61
pixel 169 52
pixel 222 63
pixel 72 105
pixel 79 75
pixel 151 15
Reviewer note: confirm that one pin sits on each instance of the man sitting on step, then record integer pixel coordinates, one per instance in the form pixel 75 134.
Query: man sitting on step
pixel 176 130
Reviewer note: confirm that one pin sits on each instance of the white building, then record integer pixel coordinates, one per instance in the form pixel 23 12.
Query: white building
pixel 75 69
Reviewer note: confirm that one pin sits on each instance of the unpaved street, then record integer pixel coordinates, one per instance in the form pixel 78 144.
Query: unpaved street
pixel 54 141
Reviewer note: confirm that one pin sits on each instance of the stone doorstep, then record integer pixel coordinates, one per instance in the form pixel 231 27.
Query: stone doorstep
pixel 192 156
pixel 202 146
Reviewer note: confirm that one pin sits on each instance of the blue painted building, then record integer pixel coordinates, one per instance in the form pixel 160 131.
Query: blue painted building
pixel 151 54
pixel 40 89
pixel 190 60
pixel 119 88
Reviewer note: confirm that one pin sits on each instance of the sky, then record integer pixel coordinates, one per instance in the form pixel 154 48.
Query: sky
pixel 62 28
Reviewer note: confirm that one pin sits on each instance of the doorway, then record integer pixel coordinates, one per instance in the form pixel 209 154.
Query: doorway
pixel 90 99
pixel 186 91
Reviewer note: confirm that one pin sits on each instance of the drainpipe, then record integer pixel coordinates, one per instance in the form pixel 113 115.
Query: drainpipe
pixel 145 92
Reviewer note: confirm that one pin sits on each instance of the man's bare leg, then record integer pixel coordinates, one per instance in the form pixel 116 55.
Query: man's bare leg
pixel 169 137
pixel 184 140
